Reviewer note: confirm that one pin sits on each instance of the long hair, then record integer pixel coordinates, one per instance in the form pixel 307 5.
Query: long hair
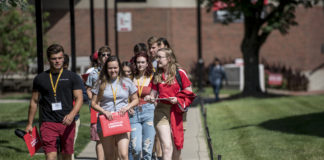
pixel 172 67
pixel 104 77
pixel 149 69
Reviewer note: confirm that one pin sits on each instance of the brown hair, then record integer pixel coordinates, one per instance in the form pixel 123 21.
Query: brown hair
pixel 151 41
pixel 54 49
pixel 140 48
pixel 104 49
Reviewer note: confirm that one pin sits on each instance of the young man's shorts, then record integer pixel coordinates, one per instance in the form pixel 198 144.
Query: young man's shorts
pixel 49 133
pixel 162 114
pixel 93 132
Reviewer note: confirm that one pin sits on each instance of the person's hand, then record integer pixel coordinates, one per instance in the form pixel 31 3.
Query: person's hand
pixel 29 128
pixel 123 110
pixel 131 111
pixel 173 100
pixel 108 115
pixel 68 119
pixel 149 99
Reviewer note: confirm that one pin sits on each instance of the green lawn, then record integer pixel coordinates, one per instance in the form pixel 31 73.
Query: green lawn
pixel 14 115
pixel 285 128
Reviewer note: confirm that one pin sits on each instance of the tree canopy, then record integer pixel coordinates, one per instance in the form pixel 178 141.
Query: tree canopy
pixel 18 39
pixel 5 5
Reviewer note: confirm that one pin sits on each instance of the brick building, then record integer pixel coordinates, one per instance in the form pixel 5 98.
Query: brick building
pixel 302 48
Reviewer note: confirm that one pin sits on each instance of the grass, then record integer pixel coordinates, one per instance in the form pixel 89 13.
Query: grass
pixel 284 128
pixel 14 115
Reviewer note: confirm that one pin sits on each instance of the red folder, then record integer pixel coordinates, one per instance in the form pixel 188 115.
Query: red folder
pixel 33 141
pixel 119 124
pixel 93 116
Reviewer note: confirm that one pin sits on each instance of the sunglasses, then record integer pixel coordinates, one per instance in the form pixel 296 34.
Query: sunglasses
pixel 104 54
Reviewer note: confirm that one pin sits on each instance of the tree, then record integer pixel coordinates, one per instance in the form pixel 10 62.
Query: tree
pixel 18 39
pixel 260 19
pixel 17 34
pixel 7 4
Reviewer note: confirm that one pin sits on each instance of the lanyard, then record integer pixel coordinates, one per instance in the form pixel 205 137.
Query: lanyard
pixel 140 87
pixel 57 80
pixel 114 92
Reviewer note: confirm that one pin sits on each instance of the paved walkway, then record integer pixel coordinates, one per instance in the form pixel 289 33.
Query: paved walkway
pixel 14 100
pixel 195 147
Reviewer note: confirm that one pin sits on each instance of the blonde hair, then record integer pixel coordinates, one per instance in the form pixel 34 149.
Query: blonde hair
pixel 172 67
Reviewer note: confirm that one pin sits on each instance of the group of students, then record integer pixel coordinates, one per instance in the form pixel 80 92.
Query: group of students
pixel 152 90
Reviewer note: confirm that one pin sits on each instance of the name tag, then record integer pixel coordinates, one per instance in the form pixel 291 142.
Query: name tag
pixel 56 106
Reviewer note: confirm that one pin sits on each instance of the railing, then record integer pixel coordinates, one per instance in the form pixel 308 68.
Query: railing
pixel 209 140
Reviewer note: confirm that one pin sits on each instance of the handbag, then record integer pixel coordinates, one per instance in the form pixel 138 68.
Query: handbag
pixel 119 124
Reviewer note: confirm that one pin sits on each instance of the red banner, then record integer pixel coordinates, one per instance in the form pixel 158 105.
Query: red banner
pixel 33 141
pixel 119 124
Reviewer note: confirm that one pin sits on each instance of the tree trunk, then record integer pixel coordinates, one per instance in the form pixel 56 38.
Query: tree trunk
pixel 250 48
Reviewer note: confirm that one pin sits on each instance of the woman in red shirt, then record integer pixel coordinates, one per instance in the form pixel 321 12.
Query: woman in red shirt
pixel 166 87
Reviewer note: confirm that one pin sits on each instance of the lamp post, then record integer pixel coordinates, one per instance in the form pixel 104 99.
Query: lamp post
pixel 116 29
pixel 200 62
pixel 106 23
pixel 92 27
pixel 39 33
pixel 72 29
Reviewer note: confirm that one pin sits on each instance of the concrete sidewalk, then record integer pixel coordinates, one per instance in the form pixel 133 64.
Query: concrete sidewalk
pixel 14 100
pixel 195 147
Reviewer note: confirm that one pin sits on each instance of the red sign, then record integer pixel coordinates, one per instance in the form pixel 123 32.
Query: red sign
pixel 275 79
pixel 33 141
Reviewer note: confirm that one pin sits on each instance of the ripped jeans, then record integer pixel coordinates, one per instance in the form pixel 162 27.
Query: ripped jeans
pixel 143 132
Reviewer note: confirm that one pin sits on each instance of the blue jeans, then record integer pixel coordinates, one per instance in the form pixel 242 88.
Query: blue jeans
pixel 216 87
pixel 143 132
